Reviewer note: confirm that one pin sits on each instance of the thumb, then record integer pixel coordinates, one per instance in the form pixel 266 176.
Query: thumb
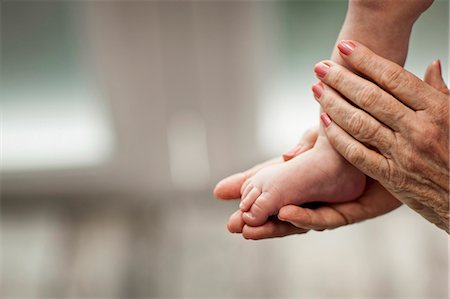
pixel 433 76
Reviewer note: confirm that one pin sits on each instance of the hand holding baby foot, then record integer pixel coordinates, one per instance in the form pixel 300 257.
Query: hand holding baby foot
pixel 375 201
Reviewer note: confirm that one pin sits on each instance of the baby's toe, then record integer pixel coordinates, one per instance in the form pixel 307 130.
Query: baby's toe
pixel 246 188
pixel 261 209
pixel 249 199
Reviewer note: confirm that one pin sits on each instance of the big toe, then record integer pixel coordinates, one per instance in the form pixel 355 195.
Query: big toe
pixel 230 187
pixel 262 208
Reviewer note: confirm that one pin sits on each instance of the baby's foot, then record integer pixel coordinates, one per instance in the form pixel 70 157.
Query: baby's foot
pixel 320 174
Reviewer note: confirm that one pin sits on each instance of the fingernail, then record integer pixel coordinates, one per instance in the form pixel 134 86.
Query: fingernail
pixel 317 90
pixel 321 69
pixel 325 119
pixel 241 205
pixel 292 152
pixel 346 47
pixel 249 215
pixel 281 218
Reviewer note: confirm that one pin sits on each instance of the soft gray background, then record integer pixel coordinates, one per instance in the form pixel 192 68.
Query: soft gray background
pixel 119 117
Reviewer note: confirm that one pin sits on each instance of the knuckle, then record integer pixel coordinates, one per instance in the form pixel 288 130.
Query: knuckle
pixel 363 63
pixel 376 137
pixel 368 96
pixel 354 154
pixel 397 114
pixel 393 78
pixel 327 101
pixel 338 78
pixel 386 143
pixel 356 124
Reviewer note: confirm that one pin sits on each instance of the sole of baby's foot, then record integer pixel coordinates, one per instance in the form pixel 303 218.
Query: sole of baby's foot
pixel 319 175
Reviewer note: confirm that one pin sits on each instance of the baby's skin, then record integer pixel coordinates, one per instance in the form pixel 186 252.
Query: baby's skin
pixel 318 175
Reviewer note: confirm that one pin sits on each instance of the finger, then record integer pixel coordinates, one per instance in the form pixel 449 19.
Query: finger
pixel 375 201
pixel 366 160
pixel 433 76
pixel 230 187
pixel 317 219
pixel 356 122
pixel 271 229
pixel 364 94
pixel 235 223
pixel 390 76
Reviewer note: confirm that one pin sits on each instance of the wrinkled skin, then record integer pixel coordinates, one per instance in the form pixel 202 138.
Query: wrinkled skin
pixel 396 131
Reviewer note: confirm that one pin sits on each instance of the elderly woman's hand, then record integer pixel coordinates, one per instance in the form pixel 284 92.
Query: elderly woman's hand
pixel 396 131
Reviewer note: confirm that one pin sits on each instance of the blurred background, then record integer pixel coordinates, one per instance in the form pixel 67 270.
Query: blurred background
pixel 119 117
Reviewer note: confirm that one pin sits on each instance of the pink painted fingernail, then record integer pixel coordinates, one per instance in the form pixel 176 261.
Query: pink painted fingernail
pixel 317 90
pixel 346 47
pixel 321 69
pixel 292 152
pixel 325 119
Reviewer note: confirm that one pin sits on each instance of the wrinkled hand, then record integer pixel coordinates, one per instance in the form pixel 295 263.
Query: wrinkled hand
pixel 398 133
pixel 374 202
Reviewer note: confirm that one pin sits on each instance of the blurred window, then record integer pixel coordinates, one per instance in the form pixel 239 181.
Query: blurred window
pixel 52 114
